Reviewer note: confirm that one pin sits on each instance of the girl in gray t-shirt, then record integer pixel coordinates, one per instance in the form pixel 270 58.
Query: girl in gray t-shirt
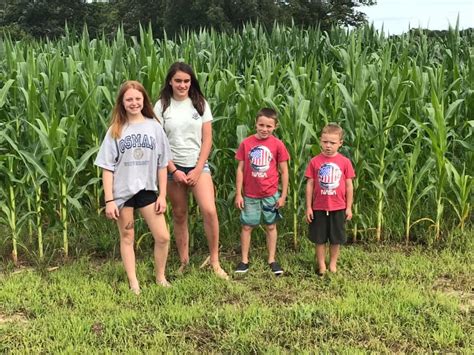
pixel 134 156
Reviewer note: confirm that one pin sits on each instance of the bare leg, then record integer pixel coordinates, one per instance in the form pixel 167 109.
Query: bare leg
pixel 204 193
pixel 334 255
pixel 157 225
pixel 321 257
pixel 127 235
pixel 245 236
pixel 271 241
pixel 178 195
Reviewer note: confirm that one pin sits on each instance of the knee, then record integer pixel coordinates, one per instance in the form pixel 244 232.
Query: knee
pixel 246 228
pixel 209 213
pixel 162 238
pixel 270 228
pixel 127 237
pixel 180 216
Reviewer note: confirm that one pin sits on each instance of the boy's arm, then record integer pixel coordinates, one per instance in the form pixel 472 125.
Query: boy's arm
pixel 111 210
pixel 349 198
pixel 309 199
pixel 239 181
pixel 283 165
pixel 162 178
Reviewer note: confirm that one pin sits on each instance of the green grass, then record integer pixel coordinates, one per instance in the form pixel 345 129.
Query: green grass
pixel 383 299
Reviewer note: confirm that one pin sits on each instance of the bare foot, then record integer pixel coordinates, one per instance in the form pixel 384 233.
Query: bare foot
pixel 219 272
pixel 163 283
pixel 182 268
pixel 135 289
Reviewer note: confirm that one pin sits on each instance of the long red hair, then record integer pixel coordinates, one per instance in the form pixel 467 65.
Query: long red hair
pixel 119 115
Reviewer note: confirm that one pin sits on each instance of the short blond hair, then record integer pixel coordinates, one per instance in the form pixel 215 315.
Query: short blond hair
pixel 333 128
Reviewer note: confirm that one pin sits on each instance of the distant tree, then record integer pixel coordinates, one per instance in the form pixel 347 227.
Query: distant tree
pixel 304 12
pixel 3 5
pixel 224 14
pixel 193 14
pixel 42 18
pixel 45 18
pixel 325 13
pixel 242 11
pixel 344 12
pixel 131 12
pixel 101 19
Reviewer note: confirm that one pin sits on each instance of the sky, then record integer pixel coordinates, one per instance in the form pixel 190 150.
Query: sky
pixel 397 16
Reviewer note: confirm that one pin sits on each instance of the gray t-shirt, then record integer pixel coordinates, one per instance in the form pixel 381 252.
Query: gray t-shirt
pixel 134 158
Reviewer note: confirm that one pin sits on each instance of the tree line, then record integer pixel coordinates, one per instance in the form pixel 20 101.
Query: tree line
pixel 47 18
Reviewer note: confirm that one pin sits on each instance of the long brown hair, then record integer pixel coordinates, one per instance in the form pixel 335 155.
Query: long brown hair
pixel 119 115
pixel 195 93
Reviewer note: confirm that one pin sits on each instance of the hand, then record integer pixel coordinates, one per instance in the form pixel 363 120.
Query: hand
pixel 111 210
pixel 193 176
pixel 309 215
pixel 348 213
pixel 239 202
pixel 160 205
pixel 180 177
pixel 280 202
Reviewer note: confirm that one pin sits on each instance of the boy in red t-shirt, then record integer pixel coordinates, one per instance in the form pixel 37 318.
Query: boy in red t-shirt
pixel 329 196
pixel 260 157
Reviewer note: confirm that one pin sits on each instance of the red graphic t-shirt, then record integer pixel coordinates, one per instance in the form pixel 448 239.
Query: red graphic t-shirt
pixel 329 175
pixel 261 158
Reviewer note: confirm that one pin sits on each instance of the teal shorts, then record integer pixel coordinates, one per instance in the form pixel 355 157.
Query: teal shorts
pixel 256 208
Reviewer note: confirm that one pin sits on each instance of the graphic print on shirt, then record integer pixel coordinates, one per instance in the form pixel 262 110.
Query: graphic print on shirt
pixel 138 143
pixel 196 115
pixel 329 176
pixel 260 158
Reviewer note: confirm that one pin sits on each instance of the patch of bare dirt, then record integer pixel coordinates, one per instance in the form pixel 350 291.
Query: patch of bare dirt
pixel 13 318
pixel 201 337
pixel 449 287
pixel 97 328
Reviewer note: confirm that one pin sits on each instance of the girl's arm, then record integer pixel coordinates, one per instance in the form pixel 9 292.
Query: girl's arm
pixel 162 178
pixel 178 175
pixel 111 210
pixel 193 175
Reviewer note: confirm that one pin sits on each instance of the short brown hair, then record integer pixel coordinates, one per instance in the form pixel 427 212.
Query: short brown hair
pixel 333 128
pixel 268 112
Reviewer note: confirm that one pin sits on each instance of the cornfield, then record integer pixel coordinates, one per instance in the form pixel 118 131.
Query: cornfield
pixel 406 104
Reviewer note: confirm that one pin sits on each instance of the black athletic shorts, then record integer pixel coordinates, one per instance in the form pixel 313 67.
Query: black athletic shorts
pixel 141 199
pixel 186 170
pixel 328 226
